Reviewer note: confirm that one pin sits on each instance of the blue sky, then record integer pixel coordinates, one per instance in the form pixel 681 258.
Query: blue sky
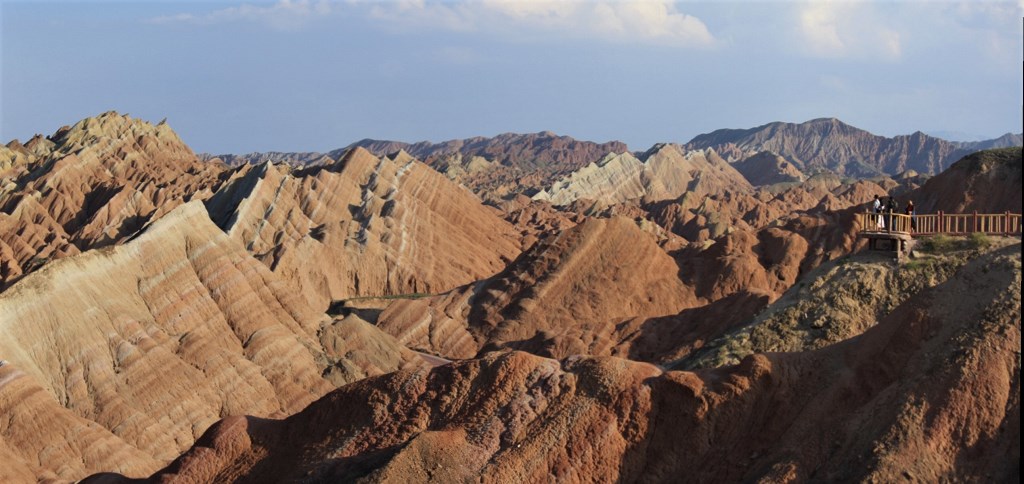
pixel 296 75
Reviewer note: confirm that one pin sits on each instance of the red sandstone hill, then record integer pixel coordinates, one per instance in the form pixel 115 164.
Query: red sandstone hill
pixel 561 297
pixel 830 144
pixel 931 393
pixel 987 181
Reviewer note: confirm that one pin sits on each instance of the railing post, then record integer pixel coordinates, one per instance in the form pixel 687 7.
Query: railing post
pixel 939 224
pixel 975 220
pixel 1006 223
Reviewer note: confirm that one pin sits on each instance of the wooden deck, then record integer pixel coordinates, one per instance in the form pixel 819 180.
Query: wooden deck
pixel 895 231
pixel 874 224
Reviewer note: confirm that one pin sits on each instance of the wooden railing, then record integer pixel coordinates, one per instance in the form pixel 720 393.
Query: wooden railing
pixel 940 223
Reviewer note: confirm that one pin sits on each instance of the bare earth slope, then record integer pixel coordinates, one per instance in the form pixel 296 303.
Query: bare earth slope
pixel 157 339
pixel 931 393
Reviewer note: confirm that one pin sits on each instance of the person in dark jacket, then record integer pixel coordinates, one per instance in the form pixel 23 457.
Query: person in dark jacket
pixel 891 207
pixel 910 211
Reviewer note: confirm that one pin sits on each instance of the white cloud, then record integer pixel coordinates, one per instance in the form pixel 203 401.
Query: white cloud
pixel 635 21
pixel 282 15
pixel 844 29
pixel 628 21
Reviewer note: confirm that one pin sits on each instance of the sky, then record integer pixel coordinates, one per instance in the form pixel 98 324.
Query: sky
pixel 298 75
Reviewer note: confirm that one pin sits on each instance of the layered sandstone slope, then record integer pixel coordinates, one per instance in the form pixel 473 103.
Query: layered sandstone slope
pixel 365 226
pixel 90 185
pixel 931 393
pixel 830 144
pixel 987 182
pixel 665 172
pixel 157 339
pixel 41 440
pixel 561 297
pixel 506 164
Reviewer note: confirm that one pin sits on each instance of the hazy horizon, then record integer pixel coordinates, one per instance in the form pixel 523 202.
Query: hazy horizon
pixel 234 77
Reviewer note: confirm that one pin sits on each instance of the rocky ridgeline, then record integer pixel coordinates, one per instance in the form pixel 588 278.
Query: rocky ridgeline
pixel 665 172
pixel 828 144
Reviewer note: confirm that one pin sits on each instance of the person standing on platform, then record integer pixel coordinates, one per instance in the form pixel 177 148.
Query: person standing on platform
pixel 910 211
pixel 891 207
pixel 877 207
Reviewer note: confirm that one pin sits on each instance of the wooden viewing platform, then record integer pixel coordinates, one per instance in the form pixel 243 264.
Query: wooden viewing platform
pixel 900 229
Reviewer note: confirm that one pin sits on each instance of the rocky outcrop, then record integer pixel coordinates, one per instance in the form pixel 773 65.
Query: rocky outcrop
pixel 830 144
pixel 666 172
pixel 120 358
pixel 364 226
pixel 931 393
pixel 295 159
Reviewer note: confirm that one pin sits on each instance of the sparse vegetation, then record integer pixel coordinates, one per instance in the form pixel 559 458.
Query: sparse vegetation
pixel 35 263
pixel 943 244
pixel 921 265
pixel 936 243
pixel 415 295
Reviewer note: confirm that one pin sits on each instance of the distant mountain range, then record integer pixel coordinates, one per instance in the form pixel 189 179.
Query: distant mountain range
pixel 829 144
pixel 528 163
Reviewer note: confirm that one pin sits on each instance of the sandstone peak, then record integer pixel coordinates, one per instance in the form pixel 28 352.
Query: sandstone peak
pixel 113 126
pixel 364 226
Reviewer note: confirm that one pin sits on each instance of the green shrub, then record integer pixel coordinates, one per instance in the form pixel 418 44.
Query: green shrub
pixel 979 240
